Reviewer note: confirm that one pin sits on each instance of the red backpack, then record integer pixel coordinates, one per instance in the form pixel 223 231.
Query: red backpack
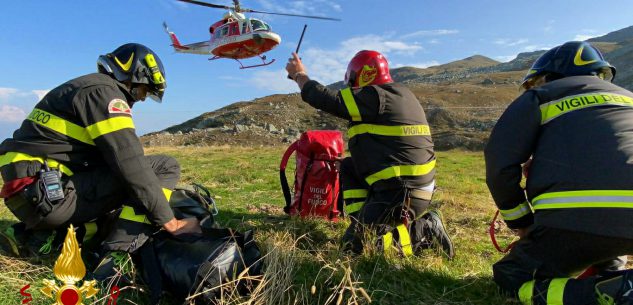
pixel 316 186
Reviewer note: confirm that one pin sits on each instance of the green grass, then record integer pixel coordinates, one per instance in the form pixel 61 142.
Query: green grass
pixel 303 254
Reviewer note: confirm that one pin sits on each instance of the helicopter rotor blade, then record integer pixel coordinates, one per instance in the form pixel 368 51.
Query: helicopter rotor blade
pixel 248 10
pixel 207 4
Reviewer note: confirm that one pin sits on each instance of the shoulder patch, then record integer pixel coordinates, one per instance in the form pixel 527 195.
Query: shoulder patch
pixel 119 106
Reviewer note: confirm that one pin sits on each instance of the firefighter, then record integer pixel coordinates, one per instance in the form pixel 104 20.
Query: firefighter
pixel 577 207
pixel 76 157
pixel 388 181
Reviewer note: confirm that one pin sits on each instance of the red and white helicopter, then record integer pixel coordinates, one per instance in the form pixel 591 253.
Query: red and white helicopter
pixel 235 35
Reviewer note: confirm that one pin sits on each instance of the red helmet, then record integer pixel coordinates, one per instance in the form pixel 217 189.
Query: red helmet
pixel 367 68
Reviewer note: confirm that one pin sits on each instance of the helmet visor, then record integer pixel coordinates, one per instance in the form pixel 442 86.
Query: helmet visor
pixel 533 82
pixel 606 73
pixel 156 94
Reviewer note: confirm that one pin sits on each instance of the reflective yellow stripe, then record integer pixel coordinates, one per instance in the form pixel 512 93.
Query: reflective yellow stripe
pixel 383 130
pixel 405 240
pixel 387 241
pixel 350 104
pixel 401 170
pixel 525 293
pixel 110 125
pixel 91 230
pixel 167 193
pixel 60 125
pixel 128 214
pixel 353 207
pixel 355 193
pixel 555 291
pixel 13 157
pixel 517 212
pixel 554 109
pixel 584 199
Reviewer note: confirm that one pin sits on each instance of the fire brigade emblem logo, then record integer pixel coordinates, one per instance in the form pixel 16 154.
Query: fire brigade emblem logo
pixel 69 269
pixel 119 106
pixel 367 75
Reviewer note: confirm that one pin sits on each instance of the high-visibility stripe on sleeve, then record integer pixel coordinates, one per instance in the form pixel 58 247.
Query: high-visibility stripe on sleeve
pixel 353 207
pixel 384 130
pixel 12 157
pixel 517 212
pixel 110 125
pixel 401 170
pixel 60 125
pixel 584 199
pixel 405 240
pixel 91 230
pixel 387 242
pixel 167 193
pixel 525 292
pixel 555 291
pixel 554 109
pixel 350 104
pixel 354 193
pixel 128 214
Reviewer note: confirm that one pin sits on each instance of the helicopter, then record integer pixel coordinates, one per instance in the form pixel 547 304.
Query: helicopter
pixel 235 36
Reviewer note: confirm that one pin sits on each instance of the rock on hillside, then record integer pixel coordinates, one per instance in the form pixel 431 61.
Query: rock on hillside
pixel 462 99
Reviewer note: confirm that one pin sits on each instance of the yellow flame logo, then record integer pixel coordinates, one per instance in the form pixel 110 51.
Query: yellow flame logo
pixel 367 75
pixel 69 269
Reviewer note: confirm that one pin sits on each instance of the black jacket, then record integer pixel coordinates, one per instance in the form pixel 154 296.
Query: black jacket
pixel 389 137
pixel 579 132
pixel 83 124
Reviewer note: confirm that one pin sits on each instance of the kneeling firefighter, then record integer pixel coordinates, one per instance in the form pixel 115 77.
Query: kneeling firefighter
pixel 388 181
pixel 76 157
pixel 577 208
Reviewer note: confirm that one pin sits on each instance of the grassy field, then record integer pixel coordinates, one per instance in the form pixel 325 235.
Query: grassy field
pixel 304 265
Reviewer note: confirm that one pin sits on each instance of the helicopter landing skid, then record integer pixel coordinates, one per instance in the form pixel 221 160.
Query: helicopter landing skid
pixel 264 63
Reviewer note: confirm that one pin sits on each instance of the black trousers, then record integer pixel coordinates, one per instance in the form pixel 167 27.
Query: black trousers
pixel 548 253
pixel 90 195
pixel 381 210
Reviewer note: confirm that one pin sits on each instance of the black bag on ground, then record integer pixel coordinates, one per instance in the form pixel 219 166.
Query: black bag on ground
pixel 193 267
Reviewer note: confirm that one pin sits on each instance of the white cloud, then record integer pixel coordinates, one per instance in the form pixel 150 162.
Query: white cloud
pixel 40 93
pixel 275 81
pixel 534 47
pixel 424 33
pixel 434 41
pixel 6 93
pixel 11 114
pixel 328 66
pixel 510 42
pixel 505 58
pixel 421 65
pixel 583 37
pixel 17 96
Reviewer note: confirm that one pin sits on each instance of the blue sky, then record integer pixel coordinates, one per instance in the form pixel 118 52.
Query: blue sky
pixel 45 43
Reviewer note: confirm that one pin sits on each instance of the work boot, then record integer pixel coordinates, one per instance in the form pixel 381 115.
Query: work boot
pixel 435 232
pixel 617 290
pixel 9 243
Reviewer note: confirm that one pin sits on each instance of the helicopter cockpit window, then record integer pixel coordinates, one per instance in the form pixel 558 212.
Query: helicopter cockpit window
pixel 258 25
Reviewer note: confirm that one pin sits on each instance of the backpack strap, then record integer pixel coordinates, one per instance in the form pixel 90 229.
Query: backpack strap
pixel 282 175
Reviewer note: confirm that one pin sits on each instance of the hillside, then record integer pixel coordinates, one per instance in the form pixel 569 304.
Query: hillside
pixel 462 100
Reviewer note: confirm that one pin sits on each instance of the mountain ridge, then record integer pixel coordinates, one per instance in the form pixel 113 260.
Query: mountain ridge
pixel 462 100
